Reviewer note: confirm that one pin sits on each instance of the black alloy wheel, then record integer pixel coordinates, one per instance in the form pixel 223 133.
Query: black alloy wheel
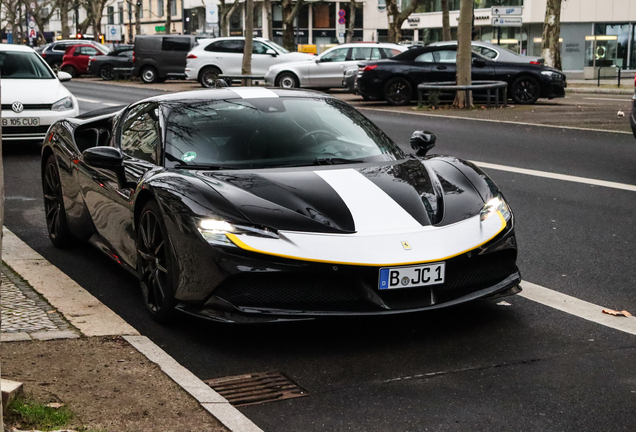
pixel 149 75
pixel 525 90
pixel 208 77
pixel 398 92
pixel 154 264
pixel 70 70
pixel 55 214
pixel 107 72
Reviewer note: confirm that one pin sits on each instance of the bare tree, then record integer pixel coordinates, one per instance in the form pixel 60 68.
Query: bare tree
pixel 94 13
pixel 464 52
pixel 42 13
pixel 551 31
pixel 352 20
pixel 446 32
pixel 397 18
pixel 225 12
pixel 13 10
pixel 64 6
pixel 246 67
pixel 290 11
pixel 268 13
pixel 169 15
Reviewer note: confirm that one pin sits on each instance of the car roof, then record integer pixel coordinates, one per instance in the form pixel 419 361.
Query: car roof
pixel 11 47
pixel 226 93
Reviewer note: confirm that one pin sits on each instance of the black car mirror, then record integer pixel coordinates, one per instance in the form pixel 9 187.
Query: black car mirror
pixel 104 157
pixel 479 62
pixel 422 142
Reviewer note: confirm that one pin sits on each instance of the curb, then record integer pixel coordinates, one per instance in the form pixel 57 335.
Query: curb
pixel 92 318
pixel 598 90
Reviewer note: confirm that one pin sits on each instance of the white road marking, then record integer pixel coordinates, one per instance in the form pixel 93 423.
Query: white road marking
pixel 576 307
pixel 556 176
pixel 88 100
pixel 110 104
pixel 492 121
pixel 608 99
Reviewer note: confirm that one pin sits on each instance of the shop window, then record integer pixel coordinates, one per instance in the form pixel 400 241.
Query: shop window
pixel 324 15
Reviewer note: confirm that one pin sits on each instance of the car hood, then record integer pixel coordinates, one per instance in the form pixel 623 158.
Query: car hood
pixel 342 199
pixel 32 91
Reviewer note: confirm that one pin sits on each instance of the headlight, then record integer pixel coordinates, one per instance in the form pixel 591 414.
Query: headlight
pixel 63 104
pixel 552 75
pixel 215 231
pixel 497 204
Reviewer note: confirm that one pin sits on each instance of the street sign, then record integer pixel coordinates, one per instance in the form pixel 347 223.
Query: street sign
pixel 32 34
pixel 506 10
pixel 341 20
pixel 211 13
pixel 113 32
pixel 341 13
pixel 506 21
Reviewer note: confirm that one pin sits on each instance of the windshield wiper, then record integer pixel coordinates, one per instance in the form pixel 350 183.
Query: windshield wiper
pixel 335 161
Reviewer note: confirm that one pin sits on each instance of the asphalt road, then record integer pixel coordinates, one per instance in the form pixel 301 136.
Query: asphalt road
pixel 481 367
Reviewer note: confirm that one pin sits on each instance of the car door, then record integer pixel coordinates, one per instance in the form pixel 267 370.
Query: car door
pixel 228 55
pixel 420 69
pixel 263 56
pixel 444 66
pixel 81 56
pixel 328 69
pixel 108 195
pixel 174 51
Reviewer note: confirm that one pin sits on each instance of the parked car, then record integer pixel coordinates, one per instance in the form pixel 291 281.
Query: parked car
pixel 326 70
pixel 76 57
pixel 494 52
pixel 632 118
pixel 33 97
pixel 395 80
pixel 213 57
pixel 258 205
pixel 104 66
pixel 53 53
pixel 157 58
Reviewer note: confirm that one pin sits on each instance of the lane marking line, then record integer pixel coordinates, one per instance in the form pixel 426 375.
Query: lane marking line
pixel 88 100
pixel 86 313
pixel 545 174
pixel 110 104
pixel 209 399
pixel 576 307
pixel 492 121
pixel 608 99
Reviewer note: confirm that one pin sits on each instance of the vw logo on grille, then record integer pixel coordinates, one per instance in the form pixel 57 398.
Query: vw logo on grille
pixel 17 107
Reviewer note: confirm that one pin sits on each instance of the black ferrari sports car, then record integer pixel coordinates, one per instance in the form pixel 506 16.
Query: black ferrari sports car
pixel 257 205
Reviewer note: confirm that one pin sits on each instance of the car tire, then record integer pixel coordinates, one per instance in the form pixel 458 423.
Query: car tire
pixel 398 92
pixel 155 263
pixel 107 73
pixel 525 90
pixel 54 211
pixel 287 80
pixel 148 75
pixel 56 66
pixel 70 70
pixel 208 76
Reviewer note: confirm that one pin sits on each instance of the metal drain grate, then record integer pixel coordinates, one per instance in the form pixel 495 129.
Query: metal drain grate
pixel 256 388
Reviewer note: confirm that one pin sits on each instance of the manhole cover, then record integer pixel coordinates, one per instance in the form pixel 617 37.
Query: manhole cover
pixel 256 388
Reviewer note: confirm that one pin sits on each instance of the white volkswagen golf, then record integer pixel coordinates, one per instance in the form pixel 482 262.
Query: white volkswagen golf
pixel 33 98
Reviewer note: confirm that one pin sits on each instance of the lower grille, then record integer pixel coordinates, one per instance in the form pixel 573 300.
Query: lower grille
pixel 21 130
pixel 41 107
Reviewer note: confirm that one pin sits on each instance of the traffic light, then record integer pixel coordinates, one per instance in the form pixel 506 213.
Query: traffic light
pixel 79 36
pixel 101 38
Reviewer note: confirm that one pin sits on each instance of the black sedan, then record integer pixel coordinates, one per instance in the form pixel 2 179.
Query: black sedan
pixel 395 80
pixel 256 205
pixel 104 66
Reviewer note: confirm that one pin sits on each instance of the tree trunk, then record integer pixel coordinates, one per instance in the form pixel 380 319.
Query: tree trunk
pixel 138 7
pixel 352 20
pixel 464 52
pixel 446 32
pixel 225 12
pixel 1 225
pixel 397 18
pixel 289 14
pixel 64 7
pixel 268 12
pixel 246 68
pixel 168 15
pixel 551 31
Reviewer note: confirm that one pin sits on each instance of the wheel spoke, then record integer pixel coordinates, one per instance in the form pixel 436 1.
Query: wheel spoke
pixel 50 197
pixel 159 292
pixel 144 255
pixel 158 248
pixel 162 268
pixel 144 236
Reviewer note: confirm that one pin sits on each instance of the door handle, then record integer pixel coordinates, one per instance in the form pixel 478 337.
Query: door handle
pixel 441 67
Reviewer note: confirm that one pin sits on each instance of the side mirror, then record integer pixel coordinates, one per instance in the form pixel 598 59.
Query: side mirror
pixel 271 52
pixel 422 142
pixel 479 62
pixel 64 76
pixel 104 157
pixel 317 60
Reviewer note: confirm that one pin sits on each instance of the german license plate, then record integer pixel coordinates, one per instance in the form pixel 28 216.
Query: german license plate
pixel 412 276
pixel 21 121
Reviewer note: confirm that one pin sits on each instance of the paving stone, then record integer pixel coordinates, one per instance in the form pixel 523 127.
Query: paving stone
pixel 14 337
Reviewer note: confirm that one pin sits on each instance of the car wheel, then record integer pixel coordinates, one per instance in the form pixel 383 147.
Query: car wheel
pixel 287 80
pixel 54 211
pixel 398 92
pixel 70 70
pixel 208 76
pixel 149 75
pixel 56 66
pixel 106 72
pixel 525 90
pixel 154 263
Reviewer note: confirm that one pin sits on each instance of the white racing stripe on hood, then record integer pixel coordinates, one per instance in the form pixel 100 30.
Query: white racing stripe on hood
pixel 372 209
pixel 254 92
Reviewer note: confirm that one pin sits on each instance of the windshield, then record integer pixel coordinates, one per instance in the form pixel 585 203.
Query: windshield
pixel 272 132
pixel 23 65
pixel 278 47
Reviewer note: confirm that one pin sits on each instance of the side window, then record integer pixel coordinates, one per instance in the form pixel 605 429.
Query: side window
pixel 390 52
pixel 77 52
pixel 488 53
pixel 427 57
pixel 446 56
pixel 375 54
pixel 233 46
pixel 259 47
pixel 358 53
pixel 337 55
pixel 60 47
pixel 213 47
pixel 175 44
pixel 128 53
pixel 89 51
pixel 139 136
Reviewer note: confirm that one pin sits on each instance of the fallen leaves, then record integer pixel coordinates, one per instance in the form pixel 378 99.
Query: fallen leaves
pixel 612 312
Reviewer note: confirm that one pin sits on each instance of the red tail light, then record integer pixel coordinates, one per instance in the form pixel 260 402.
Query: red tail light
pixel 133 56
pixel 535 63
pixel 42 55
pixel 367 68
pixel 191 56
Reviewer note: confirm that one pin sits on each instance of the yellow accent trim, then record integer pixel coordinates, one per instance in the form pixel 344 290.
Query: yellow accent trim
pixel 246 247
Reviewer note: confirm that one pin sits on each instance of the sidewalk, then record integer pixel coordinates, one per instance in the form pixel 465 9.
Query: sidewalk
pixel 67 347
